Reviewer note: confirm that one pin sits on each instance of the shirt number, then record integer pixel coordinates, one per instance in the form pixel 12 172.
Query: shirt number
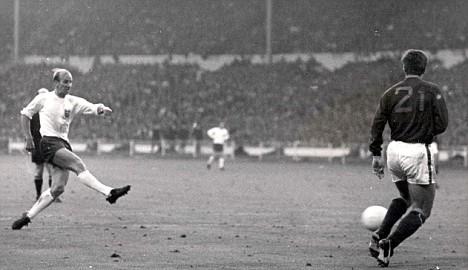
pixel 404 106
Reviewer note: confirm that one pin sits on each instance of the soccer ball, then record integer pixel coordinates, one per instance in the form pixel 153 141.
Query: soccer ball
pixel 372 217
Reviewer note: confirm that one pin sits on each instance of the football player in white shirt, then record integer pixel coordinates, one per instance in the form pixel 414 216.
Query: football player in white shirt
pixel 36 154
pixel 219 135
pixel 56 111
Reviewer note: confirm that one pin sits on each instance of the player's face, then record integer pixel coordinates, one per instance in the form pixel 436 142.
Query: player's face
pixel 64 85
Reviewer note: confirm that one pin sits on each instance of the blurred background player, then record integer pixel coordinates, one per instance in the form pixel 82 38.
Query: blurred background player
pixel 219 135
pixel 416 112
pixel 56 111
pixel 36 155
pixel 197 137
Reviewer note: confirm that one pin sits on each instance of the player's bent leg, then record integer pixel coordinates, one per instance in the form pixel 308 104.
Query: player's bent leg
pixel 59 181
pixel 422 200
pixel 87 179
pixel 61 177
pixel 403 189
pixel 68 160
pixel 422 197
pixel 38 179
pixel 396 210
pixel 409 224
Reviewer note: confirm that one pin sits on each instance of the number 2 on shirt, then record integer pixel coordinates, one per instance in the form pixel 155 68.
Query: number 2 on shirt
pixel 405 107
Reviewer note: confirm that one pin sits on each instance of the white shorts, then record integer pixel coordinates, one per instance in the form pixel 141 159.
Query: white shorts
pixel 410 162
pixel 434 147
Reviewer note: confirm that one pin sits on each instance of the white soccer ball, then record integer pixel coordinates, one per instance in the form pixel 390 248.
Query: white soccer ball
pixel 372 217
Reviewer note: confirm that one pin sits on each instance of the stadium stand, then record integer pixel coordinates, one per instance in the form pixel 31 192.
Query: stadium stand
pixel 207 27
pixel 282 102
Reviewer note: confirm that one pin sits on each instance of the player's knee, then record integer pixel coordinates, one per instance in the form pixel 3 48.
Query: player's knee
pixel 421 214
pixel 427 213
pixel 57 190
pixel 78 167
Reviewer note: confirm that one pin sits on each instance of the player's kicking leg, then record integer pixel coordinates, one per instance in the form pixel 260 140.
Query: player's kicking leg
pixel 396 210
pixel 69 160
pixel 422 198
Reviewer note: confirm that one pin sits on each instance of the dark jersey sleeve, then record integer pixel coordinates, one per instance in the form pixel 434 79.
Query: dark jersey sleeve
pixel 440 114
pixel 35 127
pixel 378 126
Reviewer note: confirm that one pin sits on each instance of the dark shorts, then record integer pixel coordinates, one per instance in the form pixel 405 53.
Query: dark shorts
pixel 50 145
pixel 218 148
pixel 36 154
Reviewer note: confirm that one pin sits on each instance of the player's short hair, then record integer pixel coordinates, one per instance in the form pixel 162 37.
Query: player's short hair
pixel 42 91
pixel 414 62
pixel 57 72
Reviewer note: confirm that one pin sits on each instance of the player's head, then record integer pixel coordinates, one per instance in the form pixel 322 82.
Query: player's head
pixel 414 62
pixel 63 81
pixel 221 124
pixel 42 91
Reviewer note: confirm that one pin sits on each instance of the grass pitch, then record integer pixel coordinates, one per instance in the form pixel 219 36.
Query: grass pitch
pixel 254 215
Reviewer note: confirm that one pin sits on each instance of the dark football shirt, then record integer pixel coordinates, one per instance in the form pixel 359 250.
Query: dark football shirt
pixel 414 109
pixel 35 127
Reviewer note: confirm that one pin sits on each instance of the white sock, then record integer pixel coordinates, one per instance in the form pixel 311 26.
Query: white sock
pixel 210 160
pixel 42 203
pixel 221 162
pixel 90 181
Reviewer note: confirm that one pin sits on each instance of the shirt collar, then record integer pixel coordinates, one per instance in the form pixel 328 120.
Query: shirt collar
pixel 412 76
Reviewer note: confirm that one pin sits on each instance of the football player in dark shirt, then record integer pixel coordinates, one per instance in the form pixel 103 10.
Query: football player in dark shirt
pixel 416 112
pixel 36 156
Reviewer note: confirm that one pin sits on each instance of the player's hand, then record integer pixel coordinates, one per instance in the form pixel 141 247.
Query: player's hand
pixel 378 166
pixel 103 110
pixel 29 145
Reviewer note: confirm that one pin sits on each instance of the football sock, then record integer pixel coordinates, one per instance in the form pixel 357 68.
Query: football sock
pixel 210 160
pixel 38 184
pixel 50 181
pixel 407 226
pixel 395 211
pixel 90 181
pixel 221 162
pixel 44 200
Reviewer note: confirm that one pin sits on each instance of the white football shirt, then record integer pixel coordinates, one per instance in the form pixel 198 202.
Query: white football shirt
pixel 56 114
pixel 219 135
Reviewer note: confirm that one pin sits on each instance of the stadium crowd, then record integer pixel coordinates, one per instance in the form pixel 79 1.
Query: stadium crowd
pixel 278 102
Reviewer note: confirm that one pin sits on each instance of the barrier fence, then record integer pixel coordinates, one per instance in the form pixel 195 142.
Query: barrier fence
pixel 294 151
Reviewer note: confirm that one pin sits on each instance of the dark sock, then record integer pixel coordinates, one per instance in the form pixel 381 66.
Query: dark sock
pixel 407 226
pixel 50 181
pixel 38 184
pixel 395 211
